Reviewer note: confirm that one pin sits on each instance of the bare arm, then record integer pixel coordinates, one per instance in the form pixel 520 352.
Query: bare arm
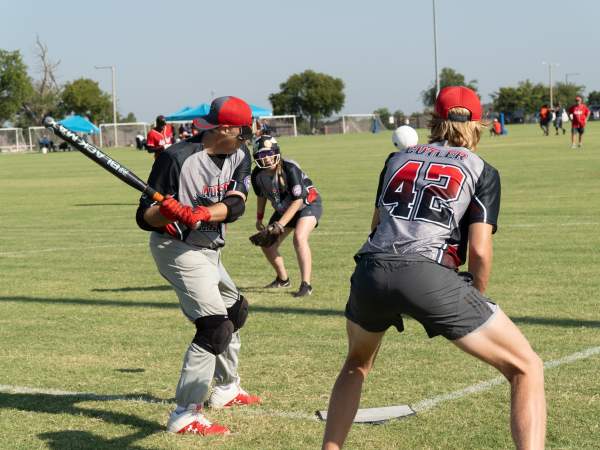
pixel 261 203
pixel 480 254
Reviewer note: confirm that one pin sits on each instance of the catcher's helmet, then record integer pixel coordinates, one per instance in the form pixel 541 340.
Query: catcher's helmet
pixel 266 152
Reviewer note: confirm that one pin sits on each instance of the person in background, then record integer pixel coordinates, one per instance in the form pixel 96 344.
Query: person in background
pixel 579 114
pixel 140 141
pixel 559 112
pixel 545 118
pixel 160 137
pixel 496 129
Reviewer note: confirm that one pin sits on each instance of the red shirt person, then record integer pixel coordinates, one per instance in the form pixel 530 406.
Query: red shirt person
pixel 579 114
pixel 160 137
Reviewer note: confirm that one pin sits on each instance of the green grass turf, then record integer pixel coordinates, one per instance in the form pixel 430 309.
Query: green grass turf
pixel 83 309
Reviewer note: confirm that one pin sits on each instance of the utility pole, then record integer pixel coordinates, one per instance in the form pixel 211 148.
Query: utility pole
pixel 550 66
pixel 435 59
pixel 114 98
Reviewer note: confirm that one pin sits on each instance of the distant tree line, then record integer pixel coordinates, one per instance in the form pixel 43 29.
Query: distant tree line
pixel 26 100
pixel 526 98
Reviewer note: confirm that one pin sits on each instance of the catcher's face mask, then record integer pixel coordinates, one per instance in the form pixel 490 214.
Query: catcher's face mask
pixel 267 159
pixel 266 152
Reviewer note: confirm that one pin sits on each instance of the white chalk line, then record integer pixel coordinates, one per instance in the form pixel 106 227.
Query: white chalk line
pixel 420 406
pixel 25 253
pixel 429 403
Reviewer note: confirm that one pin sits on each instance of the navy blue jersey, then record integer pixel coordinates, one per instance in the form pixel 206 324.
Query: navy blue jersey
pixel 281 191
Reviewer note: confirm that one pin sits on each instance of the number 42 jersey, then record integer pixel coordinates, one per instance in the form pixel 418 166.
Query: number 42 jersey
pixel 427 197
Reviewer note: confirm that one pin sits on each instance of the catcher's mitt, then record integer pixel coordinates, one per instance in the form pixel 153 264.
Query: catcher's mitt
pixel 268 236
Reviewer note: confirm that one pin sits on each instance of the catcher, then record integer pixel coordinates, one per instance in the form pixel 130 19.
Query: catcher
pixel 297 206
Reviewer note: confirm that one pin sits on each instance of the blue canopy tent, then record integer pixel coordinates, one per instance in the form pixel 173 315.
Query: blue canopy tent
pixel 259 111
pixel 189 114
pixel 79 124
pixel 182 110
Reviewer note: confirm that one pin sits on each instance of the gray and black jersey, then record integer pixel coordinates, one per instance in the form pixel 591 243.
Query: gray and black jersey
pixel 195 178
pixel 281 191
pixel 427 197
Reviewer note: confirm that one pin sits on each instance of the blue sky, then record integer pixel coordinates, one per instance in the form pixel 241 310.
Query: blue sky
pixel 171 54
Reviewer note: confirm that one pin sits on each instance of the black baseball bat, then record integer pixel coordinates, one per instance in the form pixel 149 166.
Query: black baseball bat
pixel 101 158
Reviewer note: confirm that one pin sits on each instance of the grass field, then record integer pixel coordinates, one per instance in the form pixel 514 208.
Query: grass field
pixel 91 337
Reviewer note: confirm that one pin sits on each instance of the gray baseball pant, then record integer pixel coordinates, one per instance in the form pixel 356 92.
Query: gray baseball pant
pixel 204 288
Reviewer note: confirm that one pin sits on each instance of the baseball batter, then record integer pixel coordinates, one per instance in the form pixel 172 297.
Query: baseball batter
pixel 206 179
pixel 435 204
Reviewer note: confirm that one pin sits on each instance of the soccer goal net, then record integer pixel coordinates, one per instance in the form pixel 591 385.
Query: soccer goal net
pixel 125 133
pixel 40 138
pixel 352 123
pixel 12 140
pixel 361 123
pixel 280 125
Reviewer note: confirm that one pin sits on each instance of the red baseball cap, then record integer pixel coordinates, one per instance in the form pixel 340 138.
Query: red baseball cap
pixel 226 112
pixel 458 97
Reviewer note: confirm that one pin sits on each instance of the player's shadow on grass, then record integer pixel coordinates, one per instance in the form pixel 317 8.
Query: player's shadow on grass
pixel 174 305
pixel 543 321
pixel 105 204
pixel 67 404
pixel 134 289
pixel 93 302
pixel 555 322
pixel 295 310
pixel 263 290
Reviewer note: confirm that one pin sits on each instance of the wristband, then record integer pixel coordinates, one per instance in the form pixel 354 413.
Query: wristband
pixel 260 216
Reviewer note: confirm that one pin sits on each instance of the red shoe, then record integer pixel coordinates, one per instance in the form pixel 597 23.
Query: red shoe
pixel 231 395
pixel 192 421
pixel 243 398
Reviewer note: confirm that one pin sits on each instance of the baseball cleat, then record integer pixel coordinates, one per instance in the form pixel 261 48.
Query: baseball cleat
pixel 231 395
pixel 305 289
pixel 192 421
pixel 278 283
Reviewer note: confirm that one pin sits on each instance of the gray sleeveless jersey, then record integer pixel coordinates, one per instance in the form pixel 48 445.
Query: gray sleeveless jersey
pixel 427 197
pixel 188 173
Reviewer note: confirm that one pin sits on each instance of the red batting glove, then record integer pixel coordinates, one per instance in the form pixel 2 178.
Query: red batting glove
pixel 171 208
pixel 175 211
pixel 192 217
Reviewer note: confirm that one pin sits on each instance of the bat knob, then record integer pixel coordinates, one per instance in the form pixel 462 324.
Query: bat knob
pixel 48 121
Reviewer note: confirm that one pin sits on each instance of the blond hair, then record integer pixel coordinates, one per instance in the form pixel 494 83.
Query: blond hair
pixel 458 134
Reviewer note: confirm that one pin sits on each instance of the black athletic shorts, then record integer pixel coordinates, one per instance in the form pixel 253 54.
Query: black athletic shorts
pixel 579 130
pixel 384 287
pixel 314 209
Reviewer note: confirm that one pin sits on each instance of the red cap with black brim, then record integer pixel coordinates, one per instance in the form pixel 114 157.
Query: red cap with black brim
pixel 226 112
